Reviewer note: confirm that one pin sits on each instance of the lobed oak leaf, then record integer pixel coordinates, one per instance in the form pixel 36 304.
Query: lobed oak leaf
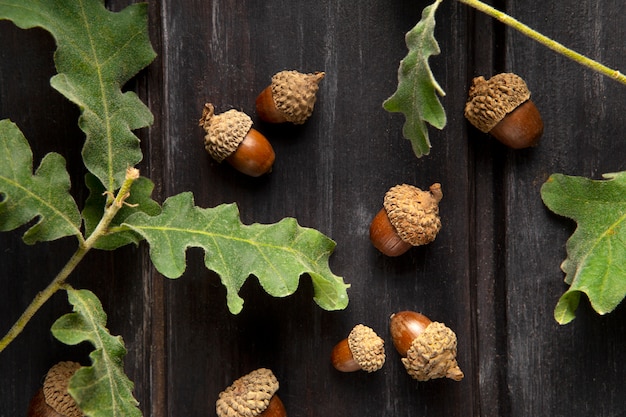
pixel 596 251
pixel 44 196
pixel 417 93
pixel 98 51
pixel 277 254
pixel 102 389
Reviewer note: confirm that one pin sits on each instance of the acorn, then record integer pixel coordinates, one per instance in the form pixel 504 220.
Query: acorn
pixel 289 98
pixel 362 349
pixel 409 217
pixel 252 395
pixel 53 400
pixel 231 137
pixel 428 348
pixel 501 106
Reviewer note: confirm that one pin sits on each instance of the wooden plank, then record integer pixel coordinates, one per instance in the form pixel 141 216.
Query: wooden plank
pixel 492 274
pixel 573 369
pixel 331 174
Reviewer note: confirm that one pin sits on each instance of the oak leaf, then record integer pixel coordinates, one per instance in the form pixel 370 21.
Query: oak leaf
pixel 102 389
pixel 417 93
pixel 277 254
pixel 43 196
pixel 596 251
pixel 98 51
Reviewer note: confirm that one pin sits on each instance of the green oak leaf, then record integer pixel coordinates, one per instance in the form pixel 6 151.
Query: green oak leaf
pixel 139 200
pixel 416 95
pixel 24 196
pixel 596 251
pixel 98 51
pixel 277 254
pixel 102 389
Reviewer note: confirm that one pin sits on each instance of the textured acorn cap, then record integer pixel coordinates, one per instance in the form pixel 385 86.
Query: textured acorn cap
pixel 248 396
pixel 55 389
pixel 224 132
pixel 294 94
pixel 433 354
pixel 368 349
pixel 490 100
pixel 414 213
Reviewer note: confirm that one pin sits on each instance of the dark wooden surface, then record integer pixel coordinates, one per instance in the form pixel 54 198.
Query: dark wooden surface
pixel 492 274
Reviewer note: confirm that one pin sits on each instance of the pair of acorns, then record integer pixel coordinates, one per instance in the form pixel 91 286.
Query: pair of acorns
pixel 289 98
pixel 500 106
pixel 250 395
pixel 428 349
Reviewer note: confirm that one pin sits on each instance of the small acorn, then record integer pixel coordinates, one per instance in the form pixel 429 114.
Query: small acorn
pixel 251 395
pixel 501 106
pixel 53 400
pixel 428 348
pixel 230 137
pixel 362 349
pixel 409 217
pixel 289 98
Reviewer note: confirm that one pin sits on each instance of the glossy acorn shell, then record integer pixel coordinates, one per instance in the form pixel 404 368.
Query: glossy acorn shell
pixel 521 128
pixel 384 236
pixel 275 408
pixel 404 327
pixel 254 156
pixel 342 358
pixel 266 108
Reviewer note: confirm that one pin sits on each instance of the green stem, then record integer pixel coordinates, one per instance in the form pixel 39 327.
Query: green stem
pixel 544 40
pixel 85 246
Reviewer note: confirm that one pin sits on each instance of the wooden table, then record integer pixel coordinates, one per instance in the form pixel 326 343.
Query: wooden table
pixel 492 274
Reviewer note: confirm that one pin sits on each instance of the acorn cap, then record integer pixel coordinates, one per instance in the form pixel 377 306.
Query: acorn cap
pixel 368 349
pixel 490 100
pixel 55 389
pixel 414 213
pixel 248 396
pixel 294 94
pixel 433 354
pixel 224 132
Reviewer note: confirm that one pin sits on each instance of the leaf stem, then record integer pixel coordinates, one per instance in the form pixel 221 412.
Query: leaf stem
pixel 85 246
pixel 544 40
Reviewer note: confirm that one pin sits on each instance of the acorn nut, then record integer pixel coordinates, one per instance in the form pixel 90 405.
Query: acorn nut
pixel 53 399
pixel 251 395
pixel 501 106
pixel 362 349
pixel 230 137
pixel 409 217
pixel 428 348
pixel 290 97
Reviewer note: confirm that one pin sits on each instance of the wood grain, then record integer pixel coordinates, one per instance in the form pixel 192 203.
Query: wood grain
pixel 492 274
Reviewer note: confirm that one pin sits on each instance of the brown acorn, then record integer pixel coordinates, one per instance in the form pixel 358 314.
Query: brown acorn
pixel 289 98
pixel 409 217
pixel 428 348
pixel 230 137
pixel 53 400
pixel 252 395
pixel 362 349
pixel 501 106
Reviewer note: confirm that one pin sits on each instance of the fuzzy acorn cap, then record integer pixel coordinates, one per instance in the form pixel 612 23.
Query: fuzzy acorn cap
pixel 368 349
pixel 248 396
pixel 490 100
pixel 224 132
pixel 294 94
pixel 414 213
pixel 433 354
pixel 55 389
